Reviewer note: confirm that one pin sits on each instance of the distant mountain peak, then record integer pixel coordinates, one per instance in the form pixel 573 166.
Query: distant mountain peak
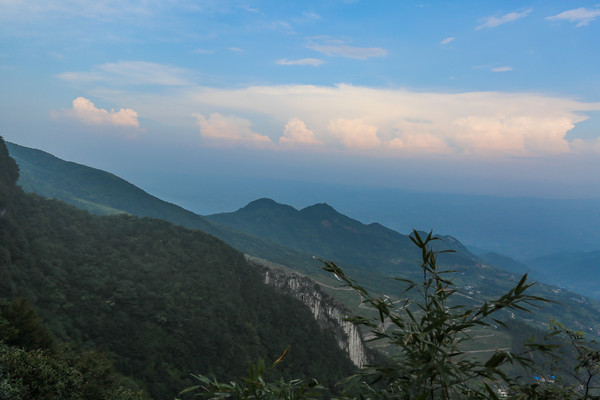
pixel 265 203
pixel 322 209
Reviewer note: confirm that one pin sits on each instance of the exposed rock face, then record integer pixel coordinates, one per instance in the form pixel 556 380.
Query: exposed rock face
pixel 328 312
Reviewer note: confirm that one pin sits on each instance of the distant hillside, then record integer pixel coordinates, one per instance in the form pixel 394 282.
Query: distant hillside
pixel 163 301
pixel 576 271
pixel 373 247
pixel 92 189
pixel 506 263
pixel 371 253
pixel 103 193
pixel 328 234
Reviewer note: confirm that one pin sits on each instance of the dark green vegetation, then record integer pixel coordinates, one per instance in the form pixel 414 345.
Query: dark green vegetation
pixel 106 194
pixel 369 253
pixel 33 365
pixel 161 301
pixel 333 236
pixel 328 234
pixel 290 236
pixel 431 362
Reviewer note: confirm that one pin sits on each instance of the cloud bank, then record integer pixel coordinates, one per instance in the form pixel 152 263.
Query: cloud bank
pixel 228 128
pixel 86 112
pixel 295 131
pixel 400 121
pixel 344 117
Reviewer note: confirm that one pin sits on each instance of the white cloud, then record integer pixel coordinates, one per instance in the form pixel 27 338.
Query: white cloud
pixel 359 117
pixel 236 50
pixel 131 73
pixel 402 121
pixel 513 134
pixel 417 136
pixel 315 62
pixel 355 133
pixel 86 112
pixel 502 69
pixel 334 47
pixel 492 22
pixel 295 131
pixel 583 16
pixel 448 40
pixel 228 128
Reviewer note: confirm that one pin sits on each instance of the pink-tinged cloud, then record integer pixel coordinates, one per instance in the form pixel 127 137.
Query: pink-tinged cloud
pixel 492 22
pixel 355 133
pixel 418 136
pixel 228 129
pixel 490 123
pixel 86 112
pixel 583 16
pixel 295 131
pixel 513 135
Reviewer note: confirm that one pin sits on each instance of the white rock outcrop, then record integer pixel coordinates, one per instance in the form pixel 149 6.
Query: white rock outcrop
pixel 328 312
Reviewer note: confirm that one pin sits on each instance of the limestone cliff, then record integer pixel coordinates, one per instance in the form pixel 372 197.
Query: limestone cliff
pixel 328 312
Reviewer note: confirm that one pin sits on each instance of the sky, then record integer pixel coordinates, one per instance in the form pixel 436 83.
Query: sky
pixel 494 97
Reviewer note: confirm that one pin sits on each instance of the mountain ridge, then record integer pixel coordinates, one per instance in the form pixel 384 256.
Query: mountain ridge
pixel 371 261
pixel 164 301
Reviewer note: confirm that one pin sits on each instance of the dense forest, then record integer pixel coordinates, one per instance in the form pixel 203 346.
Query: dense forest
pixel 160 301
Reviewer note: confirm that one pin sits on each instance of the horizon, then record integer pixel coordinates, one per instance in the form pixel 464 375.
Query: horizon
pixel 520 227
pixel 497 99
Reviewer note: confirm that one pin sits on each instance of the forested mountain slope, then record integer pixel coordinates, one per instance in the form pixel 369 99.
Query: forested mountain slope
pixel 337 237
pixel 103 193
pixel 370 254
pixel 163 301
pixel 326 233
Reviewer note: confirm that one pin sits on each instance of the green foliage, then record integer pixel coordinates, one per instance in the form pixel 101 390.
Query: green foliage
pixel 103 193
pixel 158 299
pixel 23 326
pixel 34 366
pixel 255 386
pixel 371 253
pixel 60 375
pixel 581 380
pixel 429 333
pixel 291 237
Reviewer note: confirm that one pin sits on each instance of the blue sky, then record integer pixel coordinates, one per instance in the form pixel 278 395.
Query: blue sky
pixel 494 97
